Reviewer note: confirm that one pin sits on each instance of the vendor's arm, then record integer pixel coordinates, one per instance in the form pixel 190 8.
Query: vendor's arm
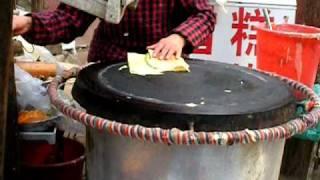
pixel 193 31
pixel 62 25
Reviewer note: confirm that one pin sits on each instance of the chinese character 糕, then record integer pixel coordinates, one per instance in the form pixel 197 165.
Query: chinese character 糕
pixel 245 23
pixel 241 23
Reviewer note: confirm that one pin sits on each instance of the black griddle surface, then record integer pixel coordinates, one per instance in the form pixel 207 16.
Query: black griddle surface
pixel 210 88
pixel 213 97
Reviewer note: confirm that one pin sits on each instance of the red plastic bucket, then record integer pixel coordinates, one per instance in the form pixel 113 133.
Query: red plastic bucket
pixel 289 50
pixel 40 161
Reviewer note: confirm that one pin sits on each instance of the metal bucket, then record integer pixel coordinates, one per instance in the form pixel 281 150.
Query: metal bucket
pixel 115 158
pixel 116 95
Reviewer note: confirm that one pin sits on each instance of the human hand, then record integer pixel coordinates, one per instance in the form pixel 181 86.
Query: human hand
pixel 169 47
pixel 21 24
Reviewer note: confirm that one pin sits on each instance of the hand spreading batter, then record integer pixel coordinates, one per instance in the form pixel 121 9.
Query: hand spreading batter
pixel 145 64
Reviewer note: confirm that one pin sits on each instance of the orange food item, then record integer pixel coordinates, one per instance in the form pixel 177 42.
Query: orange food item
pixel 29 117
pixel 39 69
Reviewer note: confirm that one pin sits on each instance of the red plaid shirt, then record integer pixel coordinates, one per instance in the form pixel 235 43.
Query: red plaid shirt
pixel 146 25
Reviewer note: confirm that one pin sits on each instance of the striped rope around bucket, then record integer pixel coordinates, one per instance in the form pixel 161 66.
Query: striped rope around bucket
pixel 188 137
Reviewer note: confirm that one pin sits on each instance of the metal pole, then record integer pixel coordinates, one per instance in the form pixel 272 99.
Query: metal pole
pixel 5 58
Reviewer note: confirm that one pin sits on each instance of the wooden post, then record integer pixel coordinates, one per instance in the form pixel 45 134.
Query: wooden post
pixel 11 169
pixel 6 12
pixel 37 5
pixel 308 12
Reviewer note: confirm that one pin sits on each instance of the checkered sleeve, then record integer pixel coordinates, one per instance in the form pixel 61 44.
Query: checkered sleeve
pixel 62 25
pixel 200 24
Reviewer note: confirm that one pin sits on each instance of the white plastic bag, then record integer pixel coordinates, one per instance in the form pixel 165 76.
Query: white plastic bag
pixel 30 92
pixel 34 52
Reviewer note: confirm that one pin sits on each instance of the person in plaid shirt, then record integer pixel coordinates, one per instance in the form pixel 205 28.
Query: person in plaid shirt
pixel 169 27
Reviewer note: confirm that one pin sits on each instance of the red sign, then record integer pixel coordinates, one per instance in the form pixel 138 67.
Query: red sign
pixel 244 22
pixel 205 48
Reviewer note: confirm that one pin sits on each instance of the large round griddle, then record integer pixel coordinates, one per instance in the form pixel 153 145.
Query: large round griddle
pixel 213 96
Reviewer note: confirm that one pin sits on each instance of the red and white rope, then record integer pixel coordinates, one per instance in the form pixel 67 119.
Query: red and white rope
pixel 176 136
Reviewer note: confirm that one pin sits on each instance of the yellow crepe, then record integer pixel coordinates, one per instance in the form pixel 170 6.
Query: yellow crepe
pixel 144 64
pixel 137 65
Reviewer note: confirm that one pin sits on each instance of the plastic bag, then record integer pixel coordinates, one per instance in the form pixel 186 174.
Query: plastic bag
pixel 30 92
pixel 34 52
